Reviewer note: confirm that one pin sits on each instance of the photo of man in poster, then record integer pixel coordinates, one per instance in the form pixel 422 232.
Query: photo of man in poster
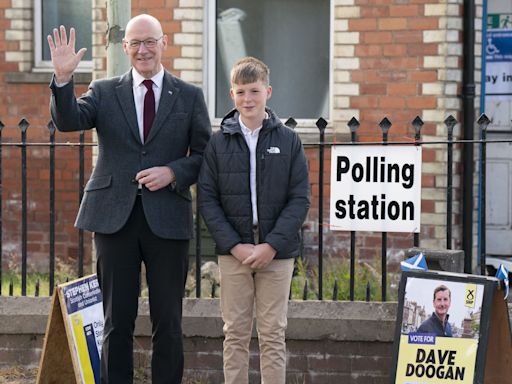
pixel 438 333
pixel 442 308
pixel 437 323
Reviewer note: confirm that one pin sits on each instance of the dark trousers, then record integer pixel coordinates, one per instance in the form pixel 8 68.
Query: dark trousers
pixel 119 263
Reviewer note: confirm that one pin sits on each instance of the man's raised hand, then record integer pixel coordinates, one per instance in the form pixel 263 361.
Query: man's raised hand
pixel 64 58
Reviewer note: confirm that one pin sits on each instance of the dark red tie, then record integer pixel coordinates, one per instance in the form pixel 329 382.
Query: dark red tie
pixel 149 107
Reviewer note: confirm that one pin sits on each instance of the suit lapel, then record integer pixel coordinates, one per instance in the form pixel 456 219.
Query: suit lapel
pixel 168 97
pixel 124 93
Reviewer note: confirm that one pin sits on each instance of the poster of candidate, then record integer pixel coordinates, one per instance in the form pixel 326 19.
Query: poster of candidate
pixel 441 323
pixel 84 315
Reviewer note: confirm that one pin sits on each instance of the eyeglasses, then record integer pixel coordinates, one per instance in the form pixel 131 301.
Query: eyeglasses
pixel 148 43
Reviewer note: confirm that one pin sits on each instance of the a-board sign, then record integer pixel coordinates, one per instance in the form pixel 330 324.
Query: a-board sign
pixel 72 345
pixel 375 188
pixel 446 328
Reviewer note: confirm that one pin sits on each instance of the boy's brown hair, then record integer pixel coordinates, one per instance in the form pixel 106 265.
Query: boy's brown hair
pixel 249 70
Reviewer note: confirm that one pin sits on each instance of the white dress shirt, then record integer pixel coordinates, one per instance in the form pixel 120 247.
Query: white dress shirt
pixel 251 138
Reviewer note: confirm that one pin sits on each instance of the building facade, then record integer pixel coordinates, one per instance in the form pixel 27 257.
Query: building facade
pixel 335 59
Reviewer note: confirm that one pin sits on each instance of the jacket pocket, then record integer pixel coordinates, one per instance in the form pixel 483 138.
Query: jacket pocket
pixel 99 182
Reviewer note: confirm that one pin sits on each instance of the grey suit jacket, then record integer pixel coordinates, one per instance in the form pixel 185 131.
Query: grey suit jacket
pixel 177 139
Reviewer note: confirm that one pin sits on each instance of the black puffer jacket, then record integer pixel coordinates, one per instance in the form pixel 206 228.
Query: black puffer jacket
pixel 282 186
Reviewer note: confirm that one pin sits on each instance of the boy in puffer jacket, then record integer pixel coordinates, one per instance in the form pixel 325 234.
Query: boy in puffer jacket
pixel 254 197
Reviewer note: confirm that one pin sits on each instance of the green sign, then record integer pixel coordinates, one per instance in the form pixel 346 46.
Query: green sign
pixel 499 21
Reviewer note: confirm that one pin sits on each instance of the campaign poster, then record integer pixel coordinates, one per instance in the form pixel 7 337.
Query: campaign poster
pixel 440 330
pixel 375 188
pixel 83 304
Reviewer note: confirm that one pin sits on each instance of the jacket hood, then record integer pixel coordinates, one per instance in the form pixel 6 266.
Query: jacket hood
pixel 230 124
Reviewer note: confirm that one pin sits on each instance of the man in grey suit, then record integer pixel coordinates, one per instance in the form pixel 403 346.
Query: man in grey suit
pixel 151 138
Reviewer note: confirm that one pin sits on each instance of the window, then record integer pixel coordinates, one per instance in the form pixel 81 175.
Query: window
pixel 70 13
pixel 290 36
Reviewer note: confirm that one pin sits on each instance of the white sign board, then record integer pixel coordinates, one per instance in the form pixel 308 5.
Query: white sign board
pixel 375 188
pixel 498 75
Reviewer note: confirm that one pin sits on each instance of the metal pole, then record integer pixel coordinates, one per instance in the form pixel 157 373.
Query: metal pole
pixel 468 102
pixel 118 14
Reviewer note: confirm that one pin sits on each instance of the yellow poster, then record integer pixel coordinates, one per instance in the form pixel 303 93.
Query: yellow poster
pixel 429 359
pixel 439 332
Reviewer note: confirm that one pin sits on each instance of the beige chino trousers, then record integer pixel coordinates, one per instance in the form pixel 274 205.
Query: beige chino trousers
pixel 266 290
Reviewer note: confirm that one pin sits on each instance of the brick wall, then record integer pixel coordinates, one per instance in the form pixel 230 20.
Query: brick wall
pixel 389 58
pixel 28 97
pixel 327 342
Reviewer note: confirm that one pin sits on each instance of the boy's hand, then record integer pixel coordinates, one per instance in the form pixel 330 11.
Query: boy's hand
pixel 262 255
pixel 242 251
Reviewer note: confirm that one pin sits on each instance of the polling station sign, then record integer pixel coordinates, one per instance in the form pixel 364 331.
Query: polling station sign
pixel 441 330
pixel 498 56
pixel 375 188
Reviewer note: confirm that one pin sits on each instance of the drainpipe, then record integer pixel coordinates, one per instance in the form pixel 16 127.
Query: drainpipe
pixel 481 235
pixel 468 110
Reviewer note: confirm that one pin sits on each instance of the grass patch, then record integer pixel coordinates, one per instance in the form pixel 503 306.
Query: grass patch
pixel 35 281
pixel 337 272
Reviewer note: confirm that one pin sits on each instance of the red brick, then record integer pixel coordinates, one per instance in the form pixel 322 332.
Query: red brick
pixel 391 102
pixel 374 11
pixel 423 23
pixel 376 37
pixel 404 62
pixel 389 24
pixel 427 206
pixel 422 76
pixel 373 89
pixel 362 24
pixel 385 76
pixel 375 63
pixel 402 89
pixel 431 49
pixel 422 102
pixel 404 10
pixel 368 50
pixel 395 50
pixel 408 37
pixel 364 102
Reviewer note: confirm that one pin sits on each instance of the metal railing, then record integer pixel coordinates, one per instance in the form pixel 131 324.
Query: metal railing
pixel 385 126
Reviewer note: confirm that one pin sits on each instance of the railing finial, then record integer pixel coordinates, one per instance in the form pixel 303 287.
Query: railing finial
pixel 385 125
pixel 321 123
pixel 23 124
pixel 51 127
pixel 483 121
pixel 417 123
pixel 291 123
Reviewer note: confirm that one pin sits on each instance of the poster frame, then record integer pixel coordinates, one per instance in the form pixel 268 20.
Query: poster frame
pixel 490 286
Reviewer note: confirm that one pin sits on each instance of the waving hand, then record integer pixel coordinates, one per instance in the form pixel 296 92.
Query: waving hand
pixel 64 58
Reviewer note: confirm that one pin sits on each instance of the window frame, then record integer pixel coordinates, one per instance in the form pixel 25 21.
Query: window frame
pixel 40 65
pixel 209 69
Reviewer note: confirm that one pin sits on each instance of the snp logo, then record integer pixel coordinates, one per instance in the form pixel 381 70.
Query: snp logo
pixel 470 296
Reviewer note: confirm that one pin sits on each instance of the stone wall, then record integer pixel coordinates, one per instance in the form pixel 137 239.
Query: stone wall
pixel 328 342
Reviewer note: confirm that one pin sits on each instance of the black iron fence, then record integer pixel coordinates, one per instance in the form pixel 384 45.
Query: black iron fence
pixel 81 146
